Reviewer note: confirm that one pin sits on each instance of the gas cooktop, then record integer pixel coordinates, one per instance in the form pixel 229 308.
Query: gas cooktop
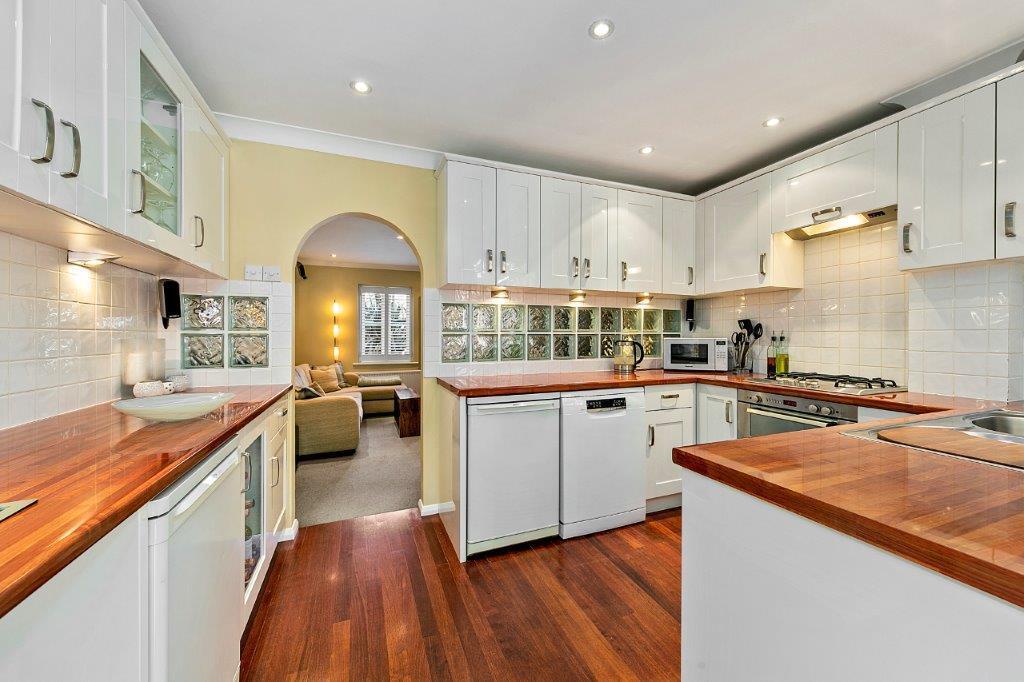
pixel 834 383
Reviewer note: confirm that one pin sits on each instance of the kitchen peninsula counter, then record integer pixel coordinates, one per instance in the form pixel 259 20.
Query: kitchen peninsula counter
pixel 93 468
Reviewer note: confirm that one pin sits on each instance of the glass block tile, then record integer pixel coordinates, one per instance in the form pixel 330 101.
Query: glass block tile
pixel 539 318
pixel 611 320
pixel 249 350
pixel 202 312
pixel 631 319
pixel 202 350
pixel 250 313
pixel 513 346
pixel 563 347
pixel 652 345
pixel 455 317
pixel 564 318
pixel 672 321
pixel 485 347
pixel 586 319
pixel 455 348
pixel 485 317
pixel 513 318
pixel 608 345
pixel 538 347
pixel 586 346
pixel 652 320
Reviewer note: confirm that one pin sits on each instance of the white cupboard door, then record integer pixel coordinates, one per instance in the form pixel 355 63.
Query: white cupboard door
pixel 716 416
pixel 599 238
pixel 1010 168
pixel 666 429
pixel 849 178
pixel 518 229
pixel 205 192
pixel 561 267
pixel 12 26
pixel 117 73
pixel 38 118
pixel 63 45
pixel 679 257
pixel 639 241
pixel 737 237
pixel 87 128
pixel 469 229
pixel 947 181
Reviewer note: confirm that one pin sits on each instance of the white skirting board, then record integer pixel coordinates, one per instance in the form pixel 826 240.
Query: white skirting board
pixel 431 509
pixel 578 528
pixel 657 504
pixel 289 533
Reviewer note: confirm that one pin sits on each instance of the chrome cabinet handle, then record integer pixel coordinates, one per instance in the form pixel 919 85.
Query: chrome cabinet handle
pixel 689 276
pixel 586 268
pixel 650 435
pixel 761 265
pixel 490 260
pixel 1009 211
pixel 827 214
pixel 200 229
pixel 283 412
pixel 625 271
pixel 51 133
pixel 247 471
pixel 275 471
pixel 669 396
pixel 728 412
pixel 76 142
pixel 142 192
pixel 906 239
pixel 575 267
pixel 504 261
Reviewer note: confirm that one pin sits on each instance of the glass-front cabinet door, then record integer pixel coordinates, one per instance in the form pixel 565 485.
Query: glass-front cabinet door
pixel 252 459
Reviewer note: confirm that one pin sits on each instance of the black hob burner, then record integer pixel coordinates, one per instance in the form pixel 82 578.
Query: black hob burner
pixel 836 383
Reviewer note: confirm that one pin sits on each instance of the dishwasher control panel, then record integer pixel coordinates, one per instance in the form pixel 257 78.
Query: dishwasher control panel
pixel 604 404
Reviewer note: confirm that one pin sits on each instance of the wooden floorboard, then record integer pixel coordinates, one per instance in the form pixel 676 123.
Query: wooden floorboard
pixel 384 597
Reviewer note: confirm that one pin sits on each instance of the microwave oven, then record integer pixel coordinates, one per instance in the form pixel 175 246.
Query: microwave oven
pixel 696 355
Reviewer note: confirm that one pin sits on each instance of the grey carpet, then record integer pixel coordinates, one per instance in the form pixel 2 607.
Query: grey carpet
pixel 382 475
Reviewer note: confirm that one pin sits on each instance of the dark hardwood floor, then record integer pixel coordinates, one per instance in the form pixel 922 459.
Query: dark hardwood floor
pixel 384 597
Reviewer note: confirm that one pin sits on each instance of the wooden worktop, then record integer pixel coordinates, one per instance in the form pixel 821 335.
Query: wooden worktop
pixel 90 470
pixel 962 518
pixel 486 386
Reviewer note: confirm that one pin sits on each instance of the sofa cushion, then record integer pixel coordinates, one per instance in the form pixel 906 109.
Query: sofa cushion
pixel 379 380
pixel 327 378
pixel 339 370
pixel 378 392
pixel 348 394
pixel 301 376
pixel 306 392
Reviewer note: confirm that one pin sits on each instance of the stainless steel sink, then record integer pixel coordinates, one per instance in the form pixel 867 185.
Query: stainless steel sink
pixel 11 508
pixel 1008 423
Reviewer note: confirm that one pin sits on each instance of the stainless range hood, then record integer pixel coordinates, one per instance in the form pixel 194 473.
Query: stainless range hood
pixel 832 221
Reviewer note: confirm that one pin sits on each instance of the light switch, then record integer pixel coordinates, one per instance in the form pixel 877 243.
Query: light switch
pixel 271 273
pixel 253 273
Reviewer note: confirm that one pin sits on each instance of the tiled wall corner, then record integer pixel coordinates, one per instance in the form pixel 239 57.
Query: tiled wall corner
pixel 282 302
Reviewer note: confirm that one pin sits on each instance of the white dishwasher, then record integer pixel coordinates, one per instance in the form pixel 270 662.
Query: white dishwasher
pixel 511 470
pixel 196 573
pixel 603 461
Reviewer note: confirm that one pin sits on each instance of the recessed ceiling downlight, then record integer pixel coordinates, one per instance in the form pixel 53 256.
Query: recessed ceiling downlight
pixel 601 29
pixel 361 87
pixel 646 149
pixel 772 122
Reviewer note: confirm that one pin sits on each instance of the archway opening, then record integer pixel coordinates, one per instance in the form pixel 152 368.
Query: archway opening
pixel 357 349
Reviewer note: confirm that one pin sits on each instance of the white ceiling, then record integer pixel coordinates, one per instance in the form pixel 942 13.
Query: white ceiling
pixel 357 241
pixel 523 82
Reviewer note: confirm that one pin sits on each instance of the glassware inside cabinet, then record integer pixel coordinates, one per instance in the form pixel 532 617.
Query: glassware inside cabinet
pixel 160 125
pixel 253 460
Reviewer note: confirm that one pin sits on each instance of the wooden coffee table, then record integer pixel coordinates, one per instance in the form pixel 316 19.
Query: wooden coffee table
pixel 407 412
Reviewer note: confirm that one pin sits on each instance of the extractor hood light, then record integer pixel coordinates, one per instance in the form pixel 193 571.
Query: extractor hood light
pixel 361 87
pixel 601 29
pixel 89 259
pixel 772 122
pixel 643 298
pixel 646 149
pixel 500 293
pixel 577 296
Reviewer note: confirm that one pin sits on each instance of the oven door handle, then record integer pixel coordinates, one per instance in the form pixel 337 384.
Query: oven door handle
pixel 792 418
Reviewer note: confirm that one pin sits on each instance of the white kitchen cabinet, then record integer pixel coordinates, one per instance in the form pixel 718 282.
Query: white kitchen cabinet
pixel 670 424
pixel 12 45
pixel 560 234
pixel 947 177
pixel 467 202
pixel 716 413
pixel 205 180
pixel 849 178
pixel 518 229
pixel 679 247
pixel 1010 167
pixel 277 458
pixel 639 241
pixel 599 238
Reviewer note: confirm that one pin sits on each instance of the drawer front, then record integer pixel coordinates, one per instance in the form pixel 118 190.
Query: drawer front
pixel 277 418
pixel 668 397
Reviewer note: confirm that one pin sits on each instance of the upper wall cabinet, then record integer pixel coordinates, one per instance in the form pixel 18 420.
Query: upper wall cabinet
pixel 679 247
pixel 1010 168
pixel 850 178
pixel 205 192
pixel 639 241
pixel 467 203
pixel 560 205
pixel 947 177
pixel 599 248
pixel 518 229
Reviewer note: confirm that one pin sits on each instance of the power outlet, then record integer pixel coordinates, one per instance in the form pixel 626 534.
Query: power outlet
pixel 253 273
pixel 271 273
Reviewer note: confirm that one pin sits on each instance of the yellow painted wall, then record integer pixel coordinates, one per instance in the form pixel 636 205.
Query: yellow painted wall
pixel 279 195
pixel 314 297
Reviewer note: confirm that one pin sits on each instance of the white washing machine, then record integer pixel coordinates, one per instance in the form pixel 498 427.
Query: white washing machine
pixel 602 461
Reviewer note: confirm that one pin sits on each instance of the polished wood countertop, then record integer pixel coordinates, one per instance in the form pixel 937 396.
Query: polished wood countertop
pixel 959 517
pixel 487 386
pixel 90 470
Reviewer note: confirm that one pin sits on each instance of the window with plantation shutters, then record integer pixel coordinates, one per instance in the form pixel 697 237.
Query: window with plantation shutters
pixel 385 324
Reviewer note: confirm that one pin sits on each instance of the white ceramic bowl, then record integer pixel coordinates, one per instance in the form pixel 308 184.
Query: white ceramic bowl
pixel 173 408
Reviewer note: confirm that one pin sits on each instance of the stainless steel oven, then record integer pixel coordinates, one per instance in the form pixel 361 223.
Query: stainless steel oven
pixel 762 414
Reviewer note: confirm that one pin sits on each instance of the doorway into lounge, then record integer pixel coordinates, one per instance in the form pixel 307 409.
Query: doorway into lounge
pixel 357 373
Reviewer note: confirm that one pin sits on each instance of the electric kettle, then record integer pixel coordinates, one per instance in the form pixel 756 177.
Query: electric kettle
pixel 627 355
